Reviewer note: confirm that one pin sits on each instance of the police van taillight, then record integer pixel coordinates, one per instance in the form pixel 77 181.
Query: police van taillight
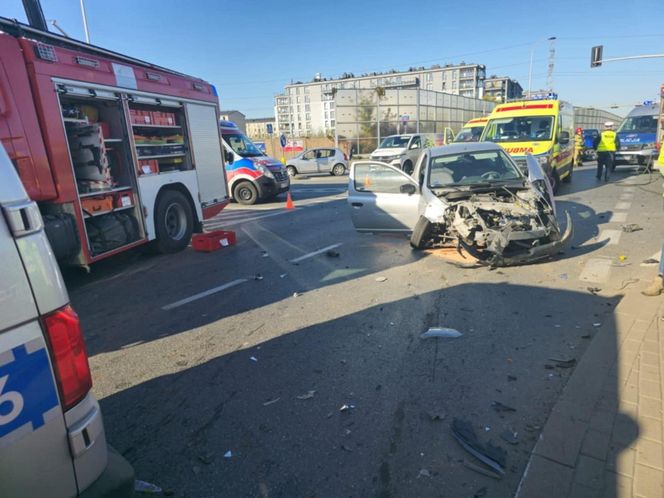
pixel 70 359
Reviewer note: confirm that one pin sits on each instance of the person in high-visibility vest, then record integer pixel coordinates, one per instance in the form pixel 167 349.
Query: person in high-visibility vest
pixel 606 144
pixel 578 147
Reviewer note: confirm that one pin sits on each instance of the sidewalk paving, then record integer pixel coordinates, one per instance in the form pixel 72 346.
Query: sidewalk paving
pixel 604 436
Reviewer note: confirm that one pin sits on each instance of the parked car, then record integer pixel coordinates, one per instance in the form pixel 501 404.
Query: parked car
pixel 52 440
pixel 403 151
pixel 468 194
pixel 324 160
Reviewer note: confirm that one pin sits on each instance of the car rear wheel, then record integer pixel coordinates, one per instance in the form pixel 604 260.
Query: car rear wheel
pixel 174 222
pixel 420 238
pixel 245 193
pixel 339 169
pixel 292 172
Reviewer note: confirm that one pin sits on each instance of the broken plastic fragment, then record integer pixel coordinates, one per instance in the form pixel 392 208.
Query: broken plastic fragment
pixel 493 456
pixel 594 290
pixel 424 473
pixel 332 254
pixel 265 254
pixel 307 395
pixel 631 227
pixel 258 276
pixel 345 408
pixel 271 402
pixel 254 359
pixel 441 332
pixel 510 437
pixel 381 279
pixel 146 487
pixel 564 363
pixel 228 454
pixel 597 324
pixel 499 407
pixel 296 294
pixel 283 275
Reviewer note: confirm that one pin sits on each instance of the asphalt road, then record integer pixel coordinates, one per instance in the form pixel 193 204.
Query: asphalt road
pixel 224 374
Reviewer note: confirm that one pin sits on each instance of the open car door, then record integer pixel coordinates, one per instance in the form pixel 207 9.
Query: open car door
pixel 382 198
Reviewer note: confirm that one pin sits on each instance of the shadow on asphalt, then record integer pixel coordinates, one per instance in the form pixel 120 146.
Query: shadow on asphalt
pixel 175 429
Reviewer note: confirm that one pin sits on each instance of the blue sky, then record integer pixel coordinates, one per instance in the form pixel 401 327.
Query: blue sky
pixel 249 49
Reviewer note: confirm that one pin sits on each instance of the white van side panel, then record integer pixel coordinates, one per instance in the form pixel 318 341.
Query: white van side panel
pixel 207 152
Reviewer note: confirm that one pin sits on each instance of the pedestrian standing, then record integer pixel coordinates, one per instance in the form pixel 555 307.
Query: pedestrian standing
pixel 578 147
pixel 606 145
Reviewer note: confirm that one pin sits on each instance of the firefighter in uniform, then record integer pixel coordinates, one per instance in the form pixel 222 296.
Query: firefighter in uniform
pixel 578 147
pixel 606 144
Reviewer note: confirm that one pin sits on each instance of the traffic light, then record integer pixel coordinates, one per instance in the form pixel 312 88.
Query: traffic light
pixel 596 56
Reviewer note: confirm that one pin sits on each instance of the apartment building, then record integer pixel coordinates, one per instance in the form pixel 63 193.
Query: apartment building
pixel 236 117
pixel 306 109
pixel 502 88
pixel 257 127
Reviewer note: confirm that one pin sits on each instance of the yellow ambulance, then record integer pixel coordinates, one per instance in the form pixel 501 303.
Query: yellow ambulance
pixel 543 128
pixel 472 130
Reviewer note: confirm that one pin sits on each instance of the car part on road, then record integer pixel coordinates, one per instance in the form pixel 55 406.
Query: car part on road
pixel 564 363
pixel 489 454
pixel 631 227
pixel 594 290
pixel 271 402
pixel 441 332
pixel 381 279
pixel 481 470
pixel 146 487
pixel 332 254
pixel 307 395
pixel 509 436
pixel 228 454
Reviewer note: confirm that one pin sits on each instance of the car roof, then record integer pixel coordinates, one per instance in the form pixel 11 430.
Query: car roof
pixel 644 110
pixel 461 147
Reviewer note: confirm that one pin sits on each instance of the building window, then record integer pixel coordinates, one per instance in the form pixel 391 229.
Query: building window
pixel 306 107
pixel 331 114
pixel 444 82
pixel 332 123
pixel 307 116
pixel 454 85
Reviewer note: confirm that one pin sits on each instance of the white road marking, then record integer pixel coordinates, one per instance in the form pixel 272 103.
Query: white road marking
pixel 315 253
pixel 622 206
pixel 626 196
pixel 596 270
pixel 203 294
pixel 612 235
pixel 618 217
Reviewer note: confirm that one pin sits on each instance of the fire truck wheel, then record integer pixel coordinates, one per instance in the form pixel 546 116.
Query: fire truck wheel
pixel 174 222
pixel 245 193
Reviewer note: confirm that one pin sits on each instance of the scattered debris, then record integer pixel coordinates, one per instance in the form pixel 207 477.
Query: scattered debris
pixel 296 294
pixel 307 395
pixel 631 227
pixel 264 254
pixel 586 336
pixel 649 261
pixel 254 359
pixel 597 324
pixel 206 458
pixel 283 275
pixel 271 402
pixel 346 448
pixel 499 407
pixel 346 408
pixel 480 492
pixel 622 257
pixel 424 473
pixel 228 454
pixel 441 332
pixel 347 432
pixel 258 276
pixel 487 428
pixel 594 290
pixel 481 470
pixel 437 415
pixel 564 363
pixel 490 455
pixel 627 282
pixel 332 254
pixel 533 428
pixel 381 279
pixel 146 487
pixel 511 378
pixel 510 436
pixel 563 276
pixel 548 366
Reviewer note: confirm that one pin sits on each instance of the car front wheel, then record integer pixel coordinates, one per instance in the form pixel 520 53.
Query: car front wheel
pixel 339 169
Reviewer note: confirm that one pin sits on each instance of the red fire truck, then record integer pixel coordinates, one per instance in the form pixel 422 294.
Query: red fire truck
pixel 117 152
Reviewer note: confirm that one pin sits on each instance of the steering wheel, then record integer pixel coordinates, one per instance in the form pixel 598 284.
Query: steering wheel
pixel 490 175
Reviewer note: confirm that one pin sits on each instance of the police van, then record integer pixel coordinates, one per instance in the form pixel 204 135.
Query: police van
pixel 52 440
pixel 638 135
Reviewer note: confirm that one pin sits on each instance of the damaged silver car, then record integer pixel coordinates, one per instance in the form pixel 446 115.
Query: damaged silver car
pixel 472 196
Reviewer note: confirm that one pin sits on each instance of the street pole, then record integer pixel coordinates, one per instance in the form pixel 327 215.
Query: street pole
pixel 85 22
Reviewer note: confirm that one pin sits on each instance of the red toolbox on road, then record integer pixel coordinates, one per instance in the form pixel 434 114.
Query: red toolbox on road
pixel 211 241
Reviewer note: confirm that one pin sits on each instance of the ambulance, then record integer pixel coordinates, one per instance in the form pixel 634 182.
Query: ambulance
pixel 472 130
pixel 541 127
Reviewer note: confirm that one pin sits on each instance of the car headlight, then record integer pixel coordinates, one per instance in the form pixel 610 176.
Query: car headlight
pixel 265 171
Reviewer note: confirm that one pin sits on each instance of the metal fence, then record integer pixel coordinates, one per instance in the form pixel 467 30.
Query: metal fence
pixel 365 116
pixel 591 118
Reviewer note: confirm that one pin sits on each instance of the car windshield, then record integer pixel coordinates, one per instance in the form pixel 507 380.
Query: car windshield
pixel 470 168
pixel 469 134
pixel 639 124
pixel 394 142
pixel 242 145
pixel 520 129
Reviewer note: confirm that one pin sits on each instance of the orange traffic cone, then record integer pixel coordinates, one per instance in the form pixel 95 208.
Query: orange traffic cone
pixel 289 202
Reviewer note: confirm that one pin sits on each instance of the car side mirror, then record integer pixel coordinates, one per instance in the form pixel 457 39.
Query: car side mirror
pixel 408 188
pixel 229 157
pixel 563 137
